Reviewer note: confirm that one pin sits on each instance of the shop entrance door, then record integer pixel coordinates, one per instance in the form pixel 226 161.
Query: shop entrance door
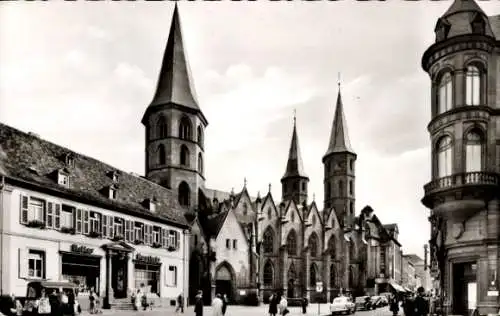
pixel 119 276
pixel 464 288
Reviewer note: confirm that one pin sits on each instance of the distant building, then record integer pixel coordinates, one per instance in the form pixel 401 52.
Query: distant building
pixel 409 275
pixel 463 193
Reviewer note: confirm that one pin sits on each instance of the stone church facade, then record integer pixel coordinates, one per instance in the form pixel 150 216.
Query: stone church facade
pixel 250 246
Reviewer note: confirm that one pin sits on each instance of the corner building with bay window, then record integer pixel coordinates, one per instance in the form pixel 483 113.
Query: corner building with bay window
pixel 463 194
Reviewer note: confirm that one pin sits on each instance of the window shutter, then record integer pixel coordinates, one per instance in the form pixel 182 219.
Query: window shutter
pixel 163 237
pixel 174 276
pixel 49 215
pixel 127 229
pixel 85 222
pixel 111 230
pixel 57 216
pixel 23 218
pixel 23 263
pixel 104 226
pixel 79 215
pixel 167 275
pixel 177 240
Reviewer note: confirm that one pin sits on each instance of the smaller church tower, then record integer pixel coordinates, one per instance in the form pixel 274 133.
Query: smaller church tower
pixel 339 163
pixel 175 125
pixel 294 182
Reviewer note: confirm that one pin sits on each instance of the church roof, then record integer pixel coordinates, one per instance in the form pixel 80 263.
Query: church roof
pixel 339 138
pixel 30 161
pixel 495 25
pixel 294 166
pixel 462 6
pixel 175 84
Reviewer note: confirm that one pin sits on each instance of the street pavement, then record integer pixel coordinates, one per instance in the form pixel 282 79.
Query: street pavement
pixel 238 310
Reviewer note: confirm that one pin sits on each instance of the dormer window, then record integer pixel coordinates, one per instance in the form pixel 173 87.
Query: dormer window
pixel 112 192
pixel 478 25
pixel 150 204
pixel 113 175
pixel 69 160
pixel 442 29
pixel 63 178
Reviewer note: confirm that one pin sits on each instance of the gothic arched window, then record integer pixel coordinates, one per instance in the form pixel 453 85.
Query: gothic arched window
pixel 444 156
pixel 352 249
pixel 313 245
pixel 332 276
pixel 341 188
pixel 185 128
pixel 445 93
pixel 161 154
pixel 268 241
pixel 200 163
pixel 312 275
pixel 472 86
pixel 292 216
pixel 351 187
pixel 184 156
pixel 269 212
pixel 200 135
pixel 473 151
pixel 184 194
pixel 161 127
pixel 291 243
pixel 268 273
pixel 314 220
pixel 332 246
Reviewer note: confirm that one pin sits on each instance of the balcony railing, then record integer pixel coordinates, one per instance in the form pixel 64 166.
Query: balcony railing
pixel 462 179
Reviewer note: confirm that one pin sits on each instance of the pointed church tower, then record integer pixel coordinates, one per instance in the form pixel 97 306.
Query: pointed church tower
pixel 175 125
pixel 339 163
pixel 294 182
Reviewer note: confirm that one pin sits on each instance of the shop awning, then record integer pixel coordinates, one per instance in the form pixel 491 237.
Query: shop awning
pixel 397 287
pixel 407 289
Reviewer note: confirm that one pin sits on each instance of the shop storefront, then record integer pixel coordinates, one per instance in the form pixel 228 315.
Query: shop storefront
pixel 147 273
pixel 82 267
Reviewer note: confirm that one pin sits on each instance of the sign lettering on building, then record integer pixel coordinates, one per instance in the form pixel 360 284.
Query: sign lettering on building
pixel 147 259
pixel 81 249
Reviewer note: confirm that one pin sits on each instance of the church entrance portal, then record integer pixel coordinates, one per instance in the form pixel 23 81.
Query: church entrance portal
pixel 196 273
pixel 224 282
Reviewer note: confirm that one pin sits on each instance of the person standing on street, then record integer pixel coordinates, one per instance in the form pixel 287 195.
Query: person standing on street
pixel 421 305
pixel 304 304
pixel 283 306
pixel 198 305
pixel 394 305
pixel 224 304
pixel 273 305
pixel 180 304
pixel 217 305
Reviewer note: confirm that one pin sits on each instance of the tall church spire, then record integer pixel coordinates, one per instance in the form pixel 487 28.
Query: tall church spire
pixel 339 138
pixel 175 85
pixel 294 166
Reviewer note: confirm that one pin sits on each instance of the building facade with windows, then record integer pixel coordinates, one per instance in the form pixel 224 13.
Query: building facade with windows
pixel 68 217
pixel 463 65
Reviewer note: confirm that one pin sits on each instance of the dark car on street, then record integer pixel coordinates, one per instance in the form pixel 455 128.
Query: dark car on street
pixel 363 303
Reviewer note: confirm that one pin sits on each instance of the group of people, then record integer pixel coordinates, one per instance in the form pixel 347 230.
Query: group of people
pixel 219 304
pixel 54 303
pixel 278 305
pixel 413 305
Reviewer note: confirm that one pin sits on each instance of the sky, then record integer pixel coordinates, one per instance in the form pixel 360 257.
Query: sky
pixel 81 74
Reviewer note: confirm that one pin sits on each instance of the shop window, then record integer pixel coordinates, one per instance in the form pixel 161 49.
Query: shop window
pixel 36 264
pixel 172 276
pixel 147 276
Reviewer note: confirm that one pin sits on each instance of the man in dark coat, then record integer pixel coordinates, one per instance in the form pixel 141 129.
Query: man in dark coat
pixel 304 305
pixel 421 305
pixel 224 304
pixel 198 305
pixel 273 305
pixel 408 306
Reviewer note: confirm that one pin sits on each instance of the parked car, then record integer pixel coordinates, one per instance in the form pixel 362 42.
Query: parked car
pixel 342 304
pixel 363 303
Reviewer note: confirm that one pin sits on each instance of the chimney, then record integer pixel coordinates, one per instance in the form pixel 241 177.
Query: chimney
pixel 425 256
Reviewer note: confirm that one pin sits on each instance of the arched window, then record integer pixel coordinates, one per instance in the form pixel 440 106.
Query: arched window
pixel 472 86
pixel 444 156
pixel 200 163
pixel 268 242
pixel 200 135
pixel 292 216
pixel 351 207
pixel 303 186
pixel 332 276
pixel 332 246
pixel 269 212
pixel 351 187
pixel 245 209
pixel 184 156
pixel 291 243
pixel 445 91
pixel 341 188
pixel 161 154
pixel 161 127
pixel 185 128
pixel 312 275
pixel 184 194
pixel 268 273
pixel 473 151
pixel 351 277
pixel 328 191
pixel 313 245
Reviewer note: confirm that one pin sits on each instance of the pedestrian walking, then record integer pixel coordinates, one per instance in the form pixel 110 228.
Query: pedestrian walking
pixel 44 304
pixel 273 305
pixel 304 304
pixel 394 305
pixel 217 305
pixel 198 305
pixel 180 304
pixel 421 304
pixel 224 304
pixel 408 305
pixel 283 306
